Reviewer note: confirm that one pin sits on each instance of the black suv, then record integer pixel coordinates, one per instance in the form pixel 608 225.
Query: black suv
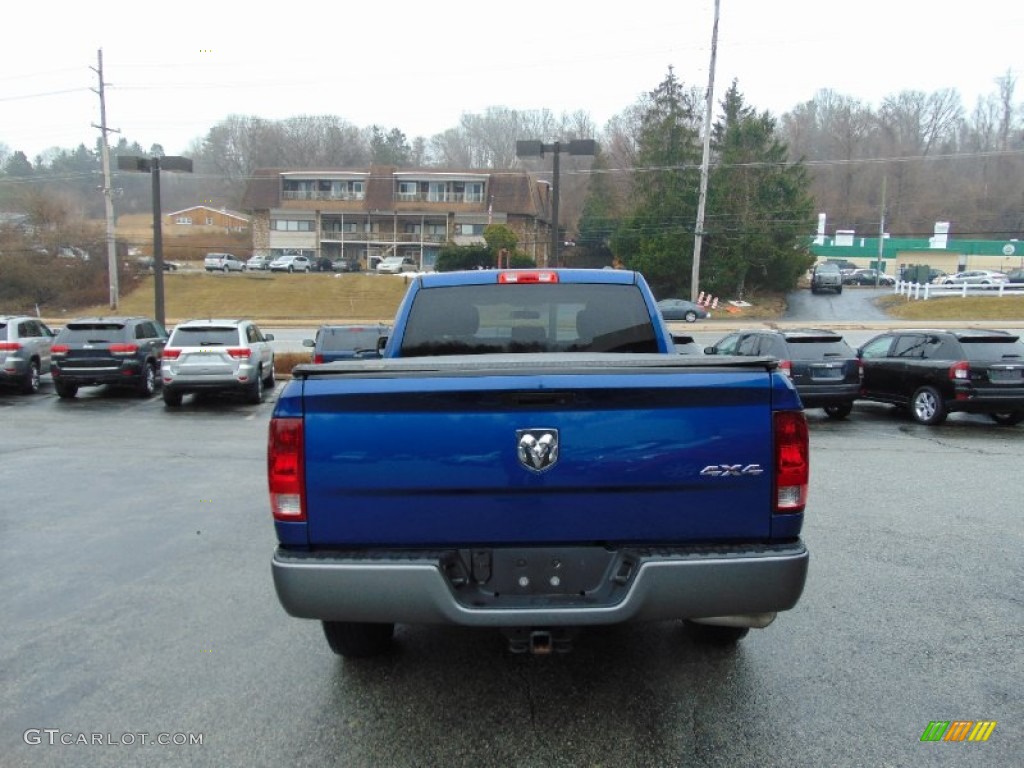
pixel 120 351
pixel 826 277
pixel 823 367
pixel 936 372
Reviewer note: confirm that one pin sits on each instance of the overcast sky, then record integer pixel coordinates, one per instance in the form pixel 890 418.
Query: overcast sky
pixel 177 69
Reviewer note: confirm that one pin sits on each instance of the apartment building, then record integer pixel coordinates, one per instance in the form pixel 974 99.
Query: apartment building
pixel 368 214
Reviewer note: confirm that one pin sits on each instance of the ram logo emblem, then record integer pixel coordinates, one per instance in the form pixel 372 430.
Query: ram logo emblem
pixel 537 448
pixel 731 470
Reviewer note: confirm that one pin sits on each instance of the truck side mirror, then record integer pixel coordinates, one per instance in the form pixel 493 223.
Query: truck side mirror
pixel 308 343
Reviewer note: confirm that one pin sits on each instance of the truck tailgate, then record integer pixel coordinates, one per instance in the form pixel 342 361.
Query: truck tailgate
pixel 659 456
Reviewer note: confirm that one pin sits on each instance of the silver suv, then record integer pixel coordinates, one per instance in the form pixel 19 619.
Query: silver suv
pixel 25 344
pixel 217 356
pixel 223 262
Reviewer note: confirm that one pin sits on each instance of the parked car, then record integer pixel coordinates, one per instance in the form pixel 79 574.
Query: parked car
pixel 1015 276
pixel 258 263
pixel 223 262
pixel 217 356
pixel 823 367
pixel 148 262
pixel 324 264
pixel 826 277
pixel 936 372
pixel 291 263
pixel 347 342
pixel 975 277
pixel 25 344
pixel 396 265
pixel 681 309
pixel 686 344
pixel 118 351
pixel 869 277
pixel 346 265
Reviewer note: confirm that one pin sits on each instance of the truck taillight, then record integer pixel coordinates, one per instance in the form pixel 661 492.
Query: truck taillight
pixel 318 359
pixel 239 353
pixel 960 370
pixel 528 276
pixel 170 354
pixel 792 461
pixel 786 367
pixel 123 349
pixel 285 470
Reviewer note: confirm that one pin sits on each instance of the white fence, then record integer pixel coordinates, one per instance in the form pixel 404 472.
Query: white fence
pixel 927 291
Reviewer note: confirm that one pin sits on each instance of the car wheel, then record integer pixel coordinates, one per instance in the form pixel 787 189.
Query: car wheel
pixel 709 634
pixel 839 410
pixel 1007 419
pixel 256 389
pixel 172 397
pixel 147 382
pixel 269 382
pixel 927 406
pixel 30 384
pixel 291 269
pixel 66 391
pixel 839 290
pixel 690 316
pixel 355 640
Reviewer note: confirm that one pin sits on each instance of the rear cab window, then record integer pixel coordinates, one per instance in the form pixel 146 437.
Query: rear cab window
pixel 498 318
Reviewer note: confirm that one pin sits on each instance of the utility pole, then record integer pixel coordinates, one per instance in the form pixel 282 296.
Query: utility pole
pixel 881 236
pixel 108 192
pixel 698 237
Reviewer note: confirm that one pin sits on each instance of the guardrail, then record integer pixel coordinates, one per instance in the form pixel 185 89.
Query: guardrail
pixel 925 291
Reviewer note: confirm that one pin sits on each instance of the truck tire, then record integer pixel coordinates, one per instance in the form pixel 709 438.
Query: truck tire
pixel 269 381
pixel 255 394
pixel 172 397
pixel 709 634
pixel 30 384
pixel 354 640
pixel 1007 419
pixel 147 381
pixel 927 407
pixel 839 410
pixel 66 391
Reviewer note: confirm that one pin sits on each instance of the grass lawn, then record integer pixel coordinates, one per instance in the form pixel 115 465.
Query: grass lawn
pixel 280 298
pixel 951 308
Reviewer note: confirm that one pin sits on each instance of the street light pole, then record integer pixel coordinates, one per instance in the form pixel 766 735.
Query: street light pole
pixel 537 149
pixel 153 165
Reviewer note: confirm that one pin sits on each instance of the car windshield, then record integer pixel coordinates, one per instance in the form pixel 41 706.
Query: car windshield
pixel 528 318
pixel 815 348
pixel 204 335
pixel 339 339
pixel 985 349
pixel 93 333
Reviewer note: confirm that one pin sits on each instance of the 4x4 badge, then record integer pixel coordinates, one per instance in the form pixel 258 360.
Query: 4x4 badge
pixel 537 448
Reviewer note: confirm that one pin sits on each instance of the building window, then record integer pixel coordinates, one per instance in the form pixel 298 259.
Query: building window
pixel 183 220
pixel 209 220
pixel 291 225
pixel 475 192
pixel 467 230
pixel 407 190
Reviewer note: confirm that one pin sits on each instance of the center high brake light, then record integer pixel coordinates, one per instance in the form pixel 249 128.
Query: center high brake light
pixel 528 276
pixel 792 461
pixel 286 471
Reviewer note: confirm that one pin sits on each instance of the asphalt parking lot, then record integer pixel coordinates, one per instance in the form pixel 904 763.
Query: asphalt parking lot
pixel 138 603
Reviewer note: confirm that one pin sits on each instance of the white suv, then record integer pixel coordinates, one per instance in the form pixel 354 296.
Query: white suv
pixel 223 262
pixel 217 356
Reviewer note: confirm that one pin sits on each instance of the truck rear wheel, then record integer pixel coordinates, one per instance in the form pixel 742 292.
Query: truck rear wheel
pixel 710 634
pixel 354 640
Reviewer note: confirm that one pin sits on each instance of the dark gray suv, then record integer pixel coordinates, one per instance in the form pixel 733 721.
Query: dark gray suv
pixel 826 277
pixel 24 351
pixel 119 351
pixel 823 367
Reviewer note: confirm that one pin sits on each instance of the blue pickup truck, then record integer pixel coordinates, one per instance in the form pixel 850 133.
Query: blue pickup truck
pixel 531 455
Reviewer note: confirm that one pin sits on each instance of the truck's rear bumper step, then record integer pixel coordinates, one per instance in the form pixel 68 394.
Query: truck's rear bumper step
pixel 417 587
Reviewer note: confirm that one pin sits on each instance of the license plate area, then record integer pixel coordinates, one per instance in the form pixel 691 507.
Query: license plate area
pixel 1003 376
pixel 826 373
